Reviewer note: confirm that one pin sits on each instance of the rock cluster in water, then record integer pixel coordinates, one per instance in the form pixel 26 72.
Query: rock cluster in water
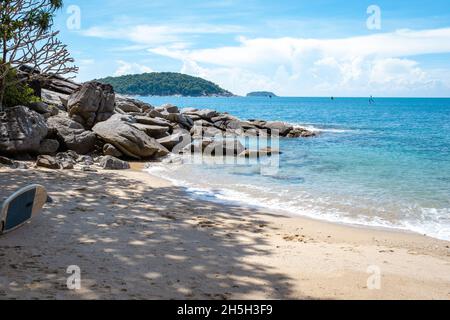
pixel 89 126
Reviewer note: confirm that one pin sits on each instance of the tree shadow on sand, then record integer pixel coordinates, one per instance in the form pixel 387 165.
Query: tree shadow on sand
pixel 133 242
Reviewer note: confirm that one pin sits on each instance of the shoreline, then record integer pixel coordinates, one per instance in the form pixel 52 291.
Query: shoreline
pixel 140 166
pixel 131 240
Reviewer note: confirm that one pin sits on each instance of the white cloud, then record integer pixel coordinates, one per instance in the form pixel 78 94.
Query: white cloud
pixel 151 35
pixel 376 64
pixel 126 68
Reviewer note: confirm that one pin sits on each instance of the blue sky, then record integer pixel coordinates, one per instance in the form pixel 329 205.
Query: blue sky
pixel 295 48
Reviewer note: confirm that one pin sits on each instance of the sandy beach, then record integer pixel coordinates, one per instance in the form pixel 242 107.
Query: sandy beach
pixel 135 236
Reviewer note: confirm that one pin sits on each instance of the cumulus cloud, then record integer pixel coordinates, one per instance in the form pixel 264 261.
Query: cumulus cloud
pixel 380 63
pixel 126 68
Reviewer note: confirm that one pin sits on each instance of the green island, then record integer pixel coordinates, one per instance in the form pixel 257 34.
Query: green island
pixel 262 94
pixel 165 84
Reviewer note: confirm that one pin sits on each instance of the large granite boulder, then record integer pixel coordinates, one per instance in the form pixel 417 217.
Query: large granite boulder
pixel 132 142
pixel 71 134
pixel 92 103
pixel 21 131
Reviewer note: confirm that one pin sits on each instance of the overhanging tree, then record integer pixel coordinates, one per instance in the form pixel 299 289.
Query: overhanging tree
pixel 28 41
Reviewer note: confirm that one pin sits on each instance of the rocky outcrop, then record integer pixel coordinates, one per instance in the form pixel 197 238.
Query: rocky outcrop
pixel 92 103
pixel 132 142
pixel 21 131
pixel 71 134
pixel 91 120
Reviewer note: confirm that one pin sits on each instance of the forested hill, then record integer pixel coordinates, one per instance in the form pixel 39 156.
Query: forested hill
pixel 164 84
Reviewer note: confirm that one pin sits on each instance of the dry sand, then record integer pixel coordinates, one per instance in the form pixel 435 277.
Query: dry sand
pixel 135 236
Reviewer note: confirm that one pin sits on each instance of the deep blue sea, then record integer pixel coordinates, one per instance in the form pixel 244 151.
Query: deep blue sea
pixel 385 164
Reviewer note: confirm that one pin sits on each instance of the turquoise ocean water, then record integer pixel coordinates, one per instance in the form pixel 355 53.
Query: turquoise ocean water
pixel 385 164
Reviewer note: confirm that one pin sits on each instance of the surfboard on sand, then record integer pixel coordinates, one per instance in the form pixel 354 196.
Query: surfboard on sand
pixel 21 207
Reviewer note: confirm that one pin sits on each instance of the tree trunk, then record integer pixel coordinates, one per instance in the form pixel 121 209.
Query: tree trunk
pixel 2 93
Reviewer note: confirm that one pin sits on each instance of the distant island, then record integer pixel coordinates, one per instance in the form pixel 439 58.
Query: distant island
pixel 262 94
pixel 165 84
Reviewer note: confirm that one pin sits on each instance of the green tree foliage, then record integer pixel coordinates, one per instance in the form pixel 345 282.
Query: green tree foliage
pixel 27 41
pixel 19 94
pixel 164 84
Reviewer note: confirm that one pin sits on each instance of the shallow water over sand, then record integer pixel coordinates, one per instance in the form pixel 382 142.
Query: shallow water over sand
pixel 383 164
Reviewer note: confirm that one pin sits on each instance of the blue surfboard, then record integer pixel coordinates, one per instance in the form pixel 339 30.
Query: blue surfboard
pixel 21 207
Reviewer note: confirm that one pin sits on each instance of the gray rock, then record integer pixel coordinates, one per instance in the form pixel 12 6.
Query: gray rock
pixel 19 166
pixel 21 131
pixel 49 147
pixel 40 107
pixel 153 121
pixel 6 161
pixel 155 114
pixel 156 132
pixel 179 140
pixel 48 162
pixel 110 150
pixel 67 165
pixel 301 133
pixel 92 103
pixel 228 147
pixel 282 128
pixel 112 163
pixel 72 135
pixel 259 153
pixel 129 140
pixel 68 156
pixel 85 160
pixel 168 108
pixel 180 119
pixel 203 114
pixel 127 105
pixel 56 99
